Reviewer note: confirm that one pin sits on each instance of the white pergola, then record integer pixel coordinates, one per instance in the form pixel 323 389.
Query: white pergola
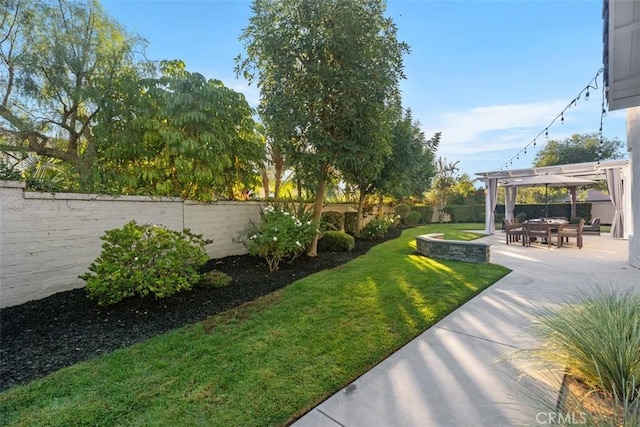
pixel 617 173
pixel 621 59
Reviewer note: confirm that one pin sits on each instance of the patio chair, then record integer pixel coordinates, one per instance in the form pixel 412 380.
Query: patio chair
pixel 514 231
pixel 571 230
pixel 537 230
pixel 593 227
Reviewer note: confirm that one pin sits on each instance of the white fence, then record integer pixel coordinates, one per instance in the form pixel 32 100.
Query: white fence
pixel 48 240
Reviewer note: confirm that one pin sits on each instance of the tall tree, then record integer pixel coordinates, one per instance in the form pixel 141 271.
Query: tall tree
pixel 445 180
pixel 327 70
pixel 411 168
pixel 579 148
pixel 180 135
pixel 364 169
pixel 57 60
pixel 464 192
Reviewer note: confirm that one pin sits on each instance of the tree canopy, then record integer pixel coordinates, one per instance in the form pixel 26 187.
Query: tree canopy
pixel 327 72
pixel 57 60
pixel 409 170
pixel 75 87
pixel 180 135
pixel 579 148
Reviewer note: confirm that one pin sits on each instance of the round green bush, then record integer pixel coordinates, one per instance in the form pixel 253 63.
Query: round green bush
pixel 215 279
pixel 403 210
pixel 336 241
pixel 350 220
pixel 376 228
pixel 145 260
pixel 332 221
pixel 413 219
pixel 283 234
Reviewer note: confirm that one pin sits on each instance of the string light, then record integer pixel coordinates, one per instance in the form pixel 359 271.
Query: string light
pixel 593 84
pixel 603 114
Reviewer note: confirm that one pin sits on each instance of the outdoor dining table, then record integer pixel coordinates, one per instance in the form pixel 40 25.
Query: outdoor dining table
pixel 553 226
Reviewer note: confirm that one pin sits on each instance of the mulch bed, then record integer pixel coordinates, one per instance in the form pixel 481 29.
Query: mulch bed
pixel 40 337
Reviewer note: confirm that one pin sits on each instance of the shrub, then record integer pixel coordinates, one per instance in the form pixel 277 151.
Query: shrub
pixel 332 221
pixel 215 279
pixel 145 260
pixel 403 210
pixel 350 221
pixel 337 241
pixel 376 228
pixel 466 213
pixel 426 213
pixel 282 234
pixel 413 219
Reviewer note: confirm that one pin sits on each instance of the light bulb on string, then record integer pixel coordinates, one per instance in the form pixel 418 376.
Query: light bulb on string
pixel 574 102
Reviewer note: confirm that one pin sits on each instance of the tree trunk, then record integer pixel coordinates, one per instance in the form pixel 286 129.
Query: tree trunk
pixel 317 214
pixel 265 183
pixel 299 189
pixel 380 204
pixel 279 166
pixel 360 219
pixel 574 211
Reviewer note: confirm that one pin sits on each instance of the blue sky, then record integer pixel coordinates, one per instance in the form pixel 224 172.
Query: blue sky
pixel 490 75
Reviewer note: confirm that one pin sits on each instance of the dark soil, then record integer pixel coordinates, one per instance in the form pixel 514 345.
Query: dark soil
pixel 39 337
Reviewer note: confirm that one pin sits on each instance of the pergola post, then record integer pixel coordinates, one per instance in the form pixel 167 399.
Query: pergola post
pixel 633 145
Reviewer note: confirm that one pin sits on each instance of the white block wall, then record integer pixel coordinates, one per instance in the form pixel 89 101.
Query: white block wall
pixel 48 240
pixel 221 222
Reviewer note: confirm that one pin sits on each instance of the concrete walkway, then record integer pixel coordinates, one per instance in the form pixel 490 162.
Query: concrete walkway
pixel 456 373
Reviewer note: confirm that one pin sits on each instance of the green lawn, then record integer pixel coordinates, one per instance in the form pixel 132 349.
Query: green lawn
pixel 269 361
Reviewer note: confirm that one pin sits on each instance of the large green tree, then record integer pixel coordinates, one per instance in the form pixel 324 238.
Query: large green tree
pixel 410 169
pixel 579 148
pixel 327 71
pixel 58 59
pixel 445 180
pixel 363 169
pixel 179 135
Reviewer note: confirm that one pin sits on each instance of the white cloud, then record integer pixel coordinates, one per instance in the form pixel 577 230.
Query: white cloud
pixel 489 128
pixel 484 138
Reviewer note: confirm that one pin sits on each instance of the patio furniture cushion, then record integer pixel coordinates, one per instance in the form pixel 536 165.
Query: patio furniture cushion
pixel 592 227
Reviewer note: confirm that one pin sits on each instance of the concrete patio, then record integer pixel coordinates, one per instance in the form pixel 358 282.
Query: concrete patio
pixel 458 372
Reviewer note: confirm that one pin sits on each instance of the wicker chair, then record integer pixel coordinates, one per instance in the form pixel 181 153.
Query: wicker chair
pixel 571 230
